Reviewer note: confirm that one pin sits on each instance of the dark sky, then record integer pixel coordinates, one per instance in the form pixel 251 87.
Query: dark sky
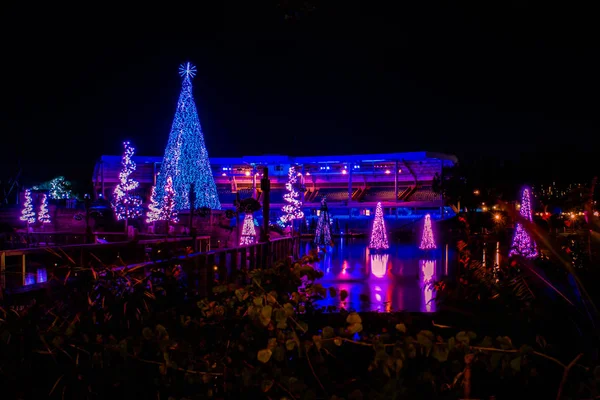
pixel 515 80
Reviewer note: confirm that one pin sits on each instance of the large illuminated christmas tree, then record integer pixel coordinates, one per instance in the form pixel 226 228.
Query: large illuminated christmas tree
pixel 44 215
pixel 522 243
pixel 248 235
pixel 323 231
pixel 186 158
pixel 379 240
pixel 28 214
pixel 293 209
pixel 126 204
pixel 427 241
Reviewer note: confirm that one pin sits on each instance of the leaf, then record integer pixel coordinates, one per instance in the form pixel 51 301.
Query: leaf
pixel 355 328
pixel 486 342
pixel 265 315
pixel 353 318
pixel 425 338
pixel 328 332
pixel 317 340
pixel 463 337
pixel 504 342
pixel 515 363
pixel 332 292
pixel 451 344
pixel 290 344
pixel 258 301
pixel 241 294
pixel 147 333
pixel 266 385
pixel 289 309
pixel 440 352
pixel 272 343
pixel 337 341
pixel 264 355
pixel 280 315
pixel 343 294
pixel 401 328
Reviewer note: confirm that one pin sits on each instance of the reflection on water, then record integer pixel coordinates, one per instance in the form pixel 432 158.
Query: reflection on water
pixel 40 276
pixel 401 279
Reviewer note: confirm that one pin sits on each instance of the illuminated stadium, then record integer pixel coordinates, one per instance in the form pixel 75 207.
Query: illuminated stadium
pixel 352 184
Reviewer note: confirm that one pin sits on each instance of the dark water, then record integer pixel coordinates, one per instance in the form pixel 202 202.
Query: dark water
pixel 396 281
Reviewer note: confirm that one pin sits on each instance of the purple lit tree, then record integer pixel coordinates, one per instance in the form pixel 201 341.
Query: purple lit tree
pixel 522 243
pixel 44 215
pixel 168 212
pixel 379 240
pixel 248 230
pixel 125 203
pixel 293 209
pixel 28 214
pixel 427 241
pixel 323 231
pixel 186 158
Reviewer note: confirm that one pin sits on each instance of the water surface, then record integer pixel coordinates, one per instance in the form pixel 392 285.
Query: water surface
pixel 399 280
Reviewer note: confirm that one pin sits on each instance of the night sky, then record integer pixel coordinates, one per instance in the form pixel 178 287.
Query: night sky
pixel 517 82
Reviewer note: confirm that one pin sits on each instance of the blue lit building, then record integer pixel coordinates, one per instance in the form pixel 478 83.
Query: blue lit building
pixel 352 184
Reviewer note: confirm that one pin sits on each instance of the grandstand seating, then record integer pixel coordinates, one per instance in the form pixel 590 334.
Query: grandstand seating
pixel 332 194
pixel 381 194
pixel 424 194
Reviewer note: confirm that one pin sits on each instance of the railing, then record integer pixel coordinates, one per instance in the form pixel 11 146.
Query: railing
pixel 15 262
pixel 203 268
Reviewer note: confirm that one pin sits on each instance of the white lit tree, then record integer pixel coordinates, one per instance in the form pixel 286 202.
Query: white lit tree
pixel 167 211
pixel 153 213
pixel 248 235
pixel 125 203
pixel 293 209
pixel 28 214
pixel 44 215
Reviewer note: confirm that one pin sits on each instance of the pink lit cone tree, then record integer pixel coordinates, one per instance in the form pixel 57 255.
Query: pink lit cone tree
pixel 248 235
pixel 427 240
pixel 379 240
pixel 522 243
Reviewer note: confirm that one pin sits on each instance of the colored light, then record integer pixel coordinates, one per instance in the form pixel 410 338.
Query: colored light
pixel 247 173
pixel 387 171
pixel 379 264
pixel 293 209
pixel 522 243
pixel 186 158
pixel 379 240
pixel 323 231
pixel 167 210
pixel 28 214
pixel 126 204
pixel 153 213
pixel 43 215
pixel 427 241
pixel 248 231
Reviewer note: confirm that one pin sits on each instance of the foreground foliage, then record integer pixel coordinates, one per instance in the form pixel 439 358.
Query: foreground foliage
pixel 115 334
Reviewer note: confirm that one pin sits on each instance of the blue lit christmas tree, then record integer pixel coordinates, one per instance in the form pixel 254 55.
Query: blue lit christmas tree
pixel 323 231
pixel 186 158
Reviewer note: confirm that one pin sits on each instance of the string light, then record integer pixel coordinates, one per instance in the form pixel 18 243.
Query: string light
pixel 186 158
pixel 292 210
pixel 323 231
pixel 28 214
pixel 248 231
pixel 153 213
pixel 44 215
pixel 168 211
pixel 427 241
pixel 126 204
pixel 522 243
pixel 379 240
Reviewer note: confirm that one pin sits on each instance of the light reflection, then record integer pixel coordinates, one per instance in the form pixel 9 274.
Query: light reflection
pixel 379 263
pixel 427 268
pixel 42 275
